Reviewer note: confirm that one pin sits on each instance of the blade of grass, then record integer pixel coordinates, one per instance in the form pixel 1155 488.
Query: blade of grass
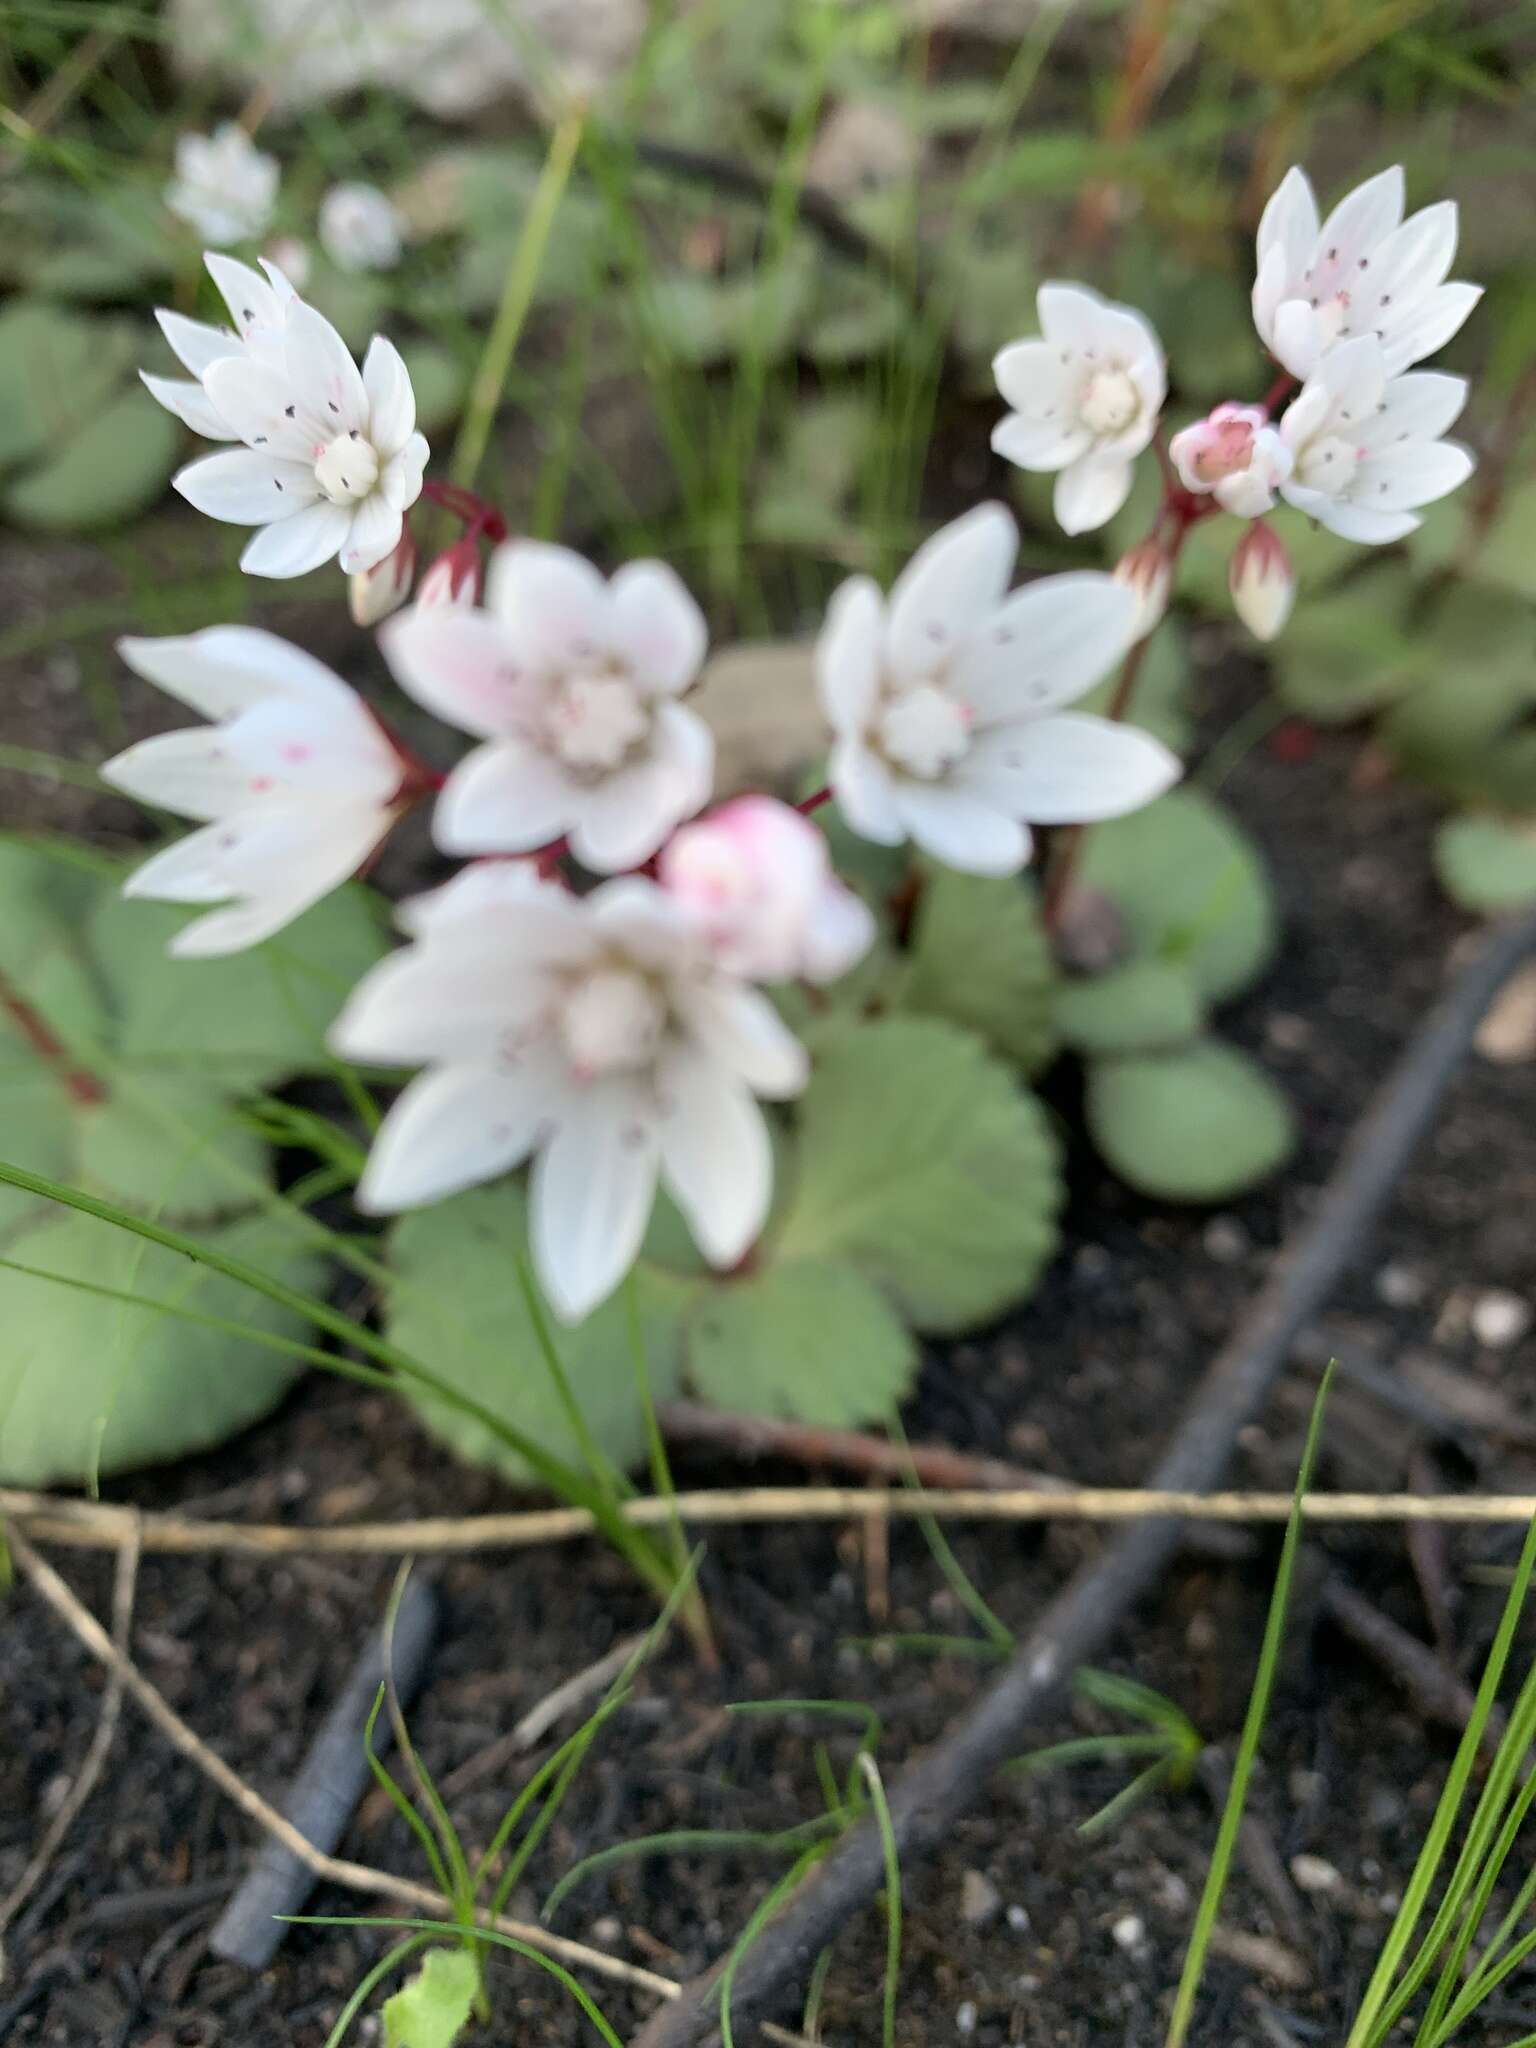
pixel 892 1861
pixel 391 1960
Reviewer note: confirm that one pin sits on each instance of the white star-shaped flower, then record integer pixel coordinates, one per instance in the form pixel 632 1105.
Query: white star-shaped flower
pixel 1086 397
pixel 1236 456
pixel 596 1034
pixel 296 781
pixel 224 186
pixel 1364 271
pixel 573 682
pixel 1366 447
pixel 332 460
pixel 945 701
pixel 359 228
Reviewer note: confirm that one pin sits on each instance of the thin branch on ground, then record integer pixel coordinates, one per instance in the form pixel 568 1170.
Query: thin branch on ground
pixel 694 1423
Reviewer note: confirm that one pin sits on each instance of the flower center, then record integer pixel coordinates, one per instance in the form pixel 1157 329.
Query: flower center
pixel 1110 402
pixel 347 469
pixel 594 721
pixel 924 731
pixel 1329 464
pixel 612 1022
pixel 1228 449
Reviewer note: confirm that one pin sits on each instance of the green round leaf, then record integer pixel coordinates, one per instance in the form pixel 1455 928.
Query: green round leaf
pixel 1487 864
pixel 1192 887
pixel 1146 1006
pixel 115 466
pixel 925 1167
pixel 803 1339
pixel 979 957
pixel 56 370
pixel 169 1145
pixel 1198 1125
pixel 89 1385
pixel 1351 651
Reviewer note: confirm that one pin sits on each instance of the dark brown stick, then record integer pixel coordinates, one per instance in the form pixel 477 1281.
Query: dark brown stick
pixel 747 1437
pixel 1437 1692
pixel 934 1791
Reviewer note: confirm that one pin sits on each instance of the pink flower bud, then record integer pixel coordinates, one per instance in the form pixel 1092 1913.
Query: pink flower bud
pixel 454 578
pixel 372 594
pixel 1236 455
pixel 757 877
pixel 1262 581
pixel 1148 575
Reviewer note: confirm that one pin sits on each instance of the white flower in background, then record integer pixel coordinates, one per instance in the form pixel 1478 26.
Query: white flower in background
pixel 1364 271
pixel 224 186
pixel 1366 447
pixel 1236 456
pixel 573 684
pixel 1146 572
pixel 758 878
pixel 372 594
pixel 292 258
pixel 359 228
pixel 257 304
pixel 296 780
pixel 1086 397
pixel 1262 581
pixel 595 1033
pixel 945 701
pixel 332 460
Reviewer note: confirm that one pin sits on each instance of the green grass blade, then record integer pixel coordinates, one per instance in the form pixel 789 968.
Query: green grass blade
pixel 892 1862
pixel 390 1961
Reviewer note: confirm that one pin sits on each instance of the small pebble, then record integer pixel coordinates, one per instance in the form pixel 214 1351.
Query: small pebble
pixel 1172 1893
pixel 1307 1787
pixel 607 1931
pixel 1500 1318
pixel 965 2017
pixel 1018 1919
pixel 1130 1933
pixel 1400 1286
pixel 1314 1874
pixel 980 1900
pixel 1226 1241
pixel 1287 1032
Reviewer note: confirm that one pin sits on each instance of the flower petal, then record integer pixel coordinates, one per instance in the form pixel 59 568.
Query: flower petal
pixel 592 1189
pixel 196 345
pixel 257 401
pixel 462 665
pixel 739 1027
pixel 190 772
pixel 1356 522
pixel 246 487
pixel 506 797
pixel 391 401
pixel 1399 479
pixel 191 404
pixel 1046 645
pixel 1035 381
pixel 251 299
pixel 1296 337
pixel 962 830
pixel 1069 316
pixel 657 627
pixel 865 793
pixel 955 578
pixel 552 599
pixel 1040 444
pixel 400 478
pixel 294 546
pixel 620 820
pixel 1417 407
pixel 715 1154
pixel 224 669
pixel 322 376
pixel 1439 317
pixel 453 1129
pixel 848 654
pixel 374 533
pixel 445 1000
pixel 1361 220
pixel 1069 769
pixel 1090 492
pixel 1288 224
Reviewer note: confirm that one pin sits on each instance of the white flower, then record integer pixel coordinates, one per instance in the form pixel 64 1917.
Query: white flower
pixel 1366 447
pixel 359 228
pixel 224 186
pixel 1085 400
pixel 1366 270
pixel 757 876
pixel 292 258
pixel 1236 455
pixel 573 683
pixel 1262 581
pixel 945 701
pixel 372 594
pixel 332 460
pixel 595 1033
pixel 259 308
pixel 297 781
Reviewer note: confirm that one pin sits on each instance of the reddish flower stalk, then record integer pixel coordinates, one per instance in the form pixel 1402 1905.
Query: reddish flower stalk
pixel 83 1087
pixel 478 514
pixel 815 800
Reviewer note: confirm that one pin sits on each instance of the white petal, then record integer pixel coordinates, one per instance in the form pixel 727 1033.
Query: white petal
pixel 189 870
pixel 1288 224
pixel 657 627
pixel 1356 522
pixel 848 654
pixel 592 1189
pixel 257 401
pixel 316 753
pixel 1042 445
pixel 450 1130
pixel 621 820
pixel 191 404
pixel 1408 265
pixel 391 401
pixel 1090 492
pixel 552 599
pixel 224 669
pixel 1296 337
pixel 1069 316
pixel 1046 645
pixel 955 578
pixel 321 373
pixel 1354 375
pixel 484 886
pixel 1417 407
pixel 739 1027
pixel 462 665
pixel 294 546
pixel 1401 478
pixel 715 1154
pixel 1433 323
pixel 373 534
pixel 1069 769
pixel 506 797
pixel 190 772
pixel 251 299
pixel 400 478
pixel 447 1000
pixel 196 345
pixel 1035 381
pixel 1362 219
pixel 962 830
pixel 865 793
pixel 1274 284
pixel 246 487
pixel 840 931
pixel 638 917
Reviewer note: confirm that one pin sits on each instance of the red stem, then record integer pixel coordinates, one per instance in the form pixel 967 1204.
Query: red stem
pixel 1282 386
pixel 815 800
pixel 478 514
pixel 86 1089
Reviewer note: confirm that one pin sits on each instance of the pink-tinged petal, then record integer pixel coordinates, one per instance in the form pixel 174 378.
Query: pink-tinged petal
pixel 246 487
pixel 848 654
pixel 257 401
pixel 1356 522
pixel 739 1027
pixel 657 627
pixel 294 546
pixel 451 1130
pixel 1399 479
pixel 225 669
pixel 374 533
pixel 1043 445
pixel 191 405
pixel 962 830
pixel 953 580
pixel 1432 325
pixel 1069 769
pixel 391 401
pixel 552 599
pixel 506 797
pixel 715 1154
pixel 400 478
pixel 1034 380
pixel 196 345
pixel 1288 225
pixel 865 793
pixel 314 752
pixel 1046 645
pixel 1296 337
pixel 1361 220
pixel 188 772
pixel 463 665
pixel 321 374
pixel 251 298
pixel 1418 407
pixel 591 1193
pixel 1090 492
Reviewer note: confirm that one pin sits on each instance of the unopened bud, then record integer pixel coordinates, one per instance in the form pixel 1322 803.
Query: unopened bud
pixel 1262 581
pixel 373 594
pixel 454 578
pixel 1147 574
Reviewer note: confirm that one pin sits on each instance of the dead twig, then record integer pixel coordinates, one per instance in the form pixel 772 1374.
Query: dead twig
pixel 1435 1690
pixel 692 1423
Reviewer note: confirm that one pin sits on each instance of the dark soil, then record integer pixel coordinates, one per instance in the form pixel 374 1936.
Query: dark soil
pixel 1086 1381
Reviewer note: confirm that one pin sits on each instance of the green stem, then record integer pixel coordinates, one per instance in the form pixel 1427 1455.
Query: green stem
pixel 695 1613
